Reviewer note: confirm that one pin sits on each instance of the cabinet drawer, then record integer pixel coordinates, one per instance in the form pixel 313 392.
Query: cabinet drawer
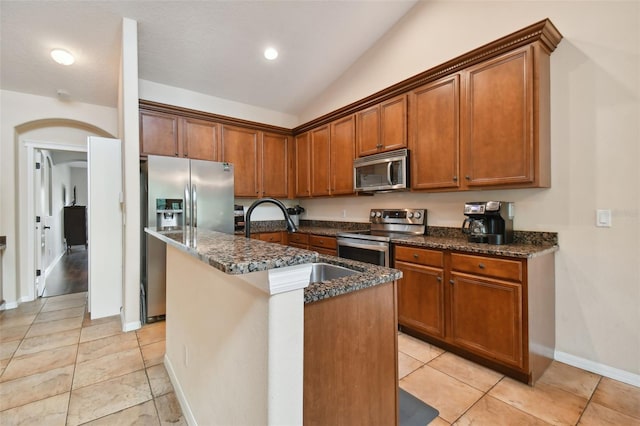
pixel 487 266
pixel 420 256
pixel 272 237
pixel 297 237
pixel 320 241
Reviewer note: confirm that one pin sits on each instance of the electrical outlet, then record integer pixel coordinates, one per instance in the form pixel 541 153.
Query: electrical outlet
pixel 186 356
pixel 344 213
pixel 603 218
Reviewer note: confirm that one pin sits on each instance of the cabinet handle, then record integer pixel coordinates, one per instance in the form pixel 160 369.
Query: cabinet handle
pixel 467 177
pixel 439 279
pixel 481 265
pixel 415 255
pixel 451 282
pixel 455 178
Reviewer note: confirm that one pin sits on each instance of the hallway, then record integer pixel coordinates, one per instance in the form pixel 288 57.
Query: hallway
pixel 70 275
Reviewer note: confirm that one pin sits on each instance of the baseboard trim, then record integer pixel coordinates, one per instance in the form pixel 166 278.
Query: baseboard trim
pixel 596 367
pixel 8 305
pixel 131 326
pixel 186 409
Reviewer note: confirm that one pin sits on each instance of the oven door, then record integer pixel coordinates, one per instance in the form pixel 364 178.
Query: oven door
pixel 375 252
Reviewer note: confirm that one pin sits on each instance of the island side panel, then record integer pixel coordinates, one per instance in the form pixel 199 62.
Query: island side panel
pixel 216 343
pixel 351 358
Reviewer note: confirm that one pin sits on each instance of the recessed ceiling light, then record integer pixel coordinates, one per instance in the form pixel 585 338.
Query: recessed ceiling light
pixel 270 53
pixel 62 56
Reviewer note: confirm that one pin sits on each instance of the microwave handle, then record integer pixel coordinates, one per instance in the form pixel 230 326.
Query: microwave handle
pixel 389 173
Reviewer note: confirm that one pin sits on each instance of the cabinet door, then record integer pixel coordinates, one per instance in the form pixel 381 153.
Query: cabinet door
pixel 275 161
pixel 368 122
pixel 486 317
pixel 158 134
pixel 393 123
pixel 343 139
pixel 303 165
pixel 421 298
pixel 434 135
pixel 240 148
pixel 498 130
pixel 320 161
pixel 199 139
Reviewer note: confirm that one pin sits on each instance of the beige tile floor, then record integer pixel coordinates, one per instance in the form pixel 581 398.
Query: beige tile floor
pixel 57 367
pixel 467 394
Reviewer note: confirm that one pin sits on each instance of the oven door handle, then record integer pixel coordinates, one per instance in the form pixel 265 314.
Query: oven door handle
pixel 376 246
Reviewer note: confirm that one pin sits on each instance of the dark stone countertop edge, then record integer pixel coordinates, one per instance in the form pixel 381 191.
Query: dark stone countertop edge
pixel 278 256
pixel 3 242
pixel 236 255
pixel 368 276
pixel 458 244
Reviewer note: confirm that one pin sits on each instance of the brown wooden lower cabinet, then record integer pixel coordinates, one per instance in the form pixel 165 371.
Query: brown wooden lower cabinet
pixel 279 237
pixel 350 359
pixel 499 312
pixel 323 244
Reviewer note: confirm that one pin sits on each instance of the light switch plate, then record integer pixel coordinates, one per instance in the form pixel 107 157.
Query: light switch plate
pixel 603 218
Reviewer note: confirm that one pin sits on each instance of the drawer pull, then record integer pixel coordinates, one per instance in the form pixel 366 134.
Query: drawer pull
pixel 415 255
pixel 439 279
pixel 481 265
pixel 451 282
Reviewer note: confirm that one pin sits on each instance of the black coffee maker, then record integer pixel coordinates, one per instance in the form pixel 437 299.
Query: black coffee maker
pixel 488 222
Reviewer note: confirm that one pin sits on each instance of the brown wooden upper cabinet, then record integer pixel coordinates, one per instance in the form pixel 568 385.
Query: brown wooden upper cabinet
pixel 260 161
pixel 175 136
pixel 501 147
pixel 343 143
pixel 434 135
pixel 324 159
pixel 477 128
pixel 302 153
pixel 383 127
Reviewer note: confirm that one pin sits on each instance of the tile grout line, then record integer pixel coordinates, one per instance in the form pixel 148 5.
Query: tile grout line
pixel 595 388
pixel 75 363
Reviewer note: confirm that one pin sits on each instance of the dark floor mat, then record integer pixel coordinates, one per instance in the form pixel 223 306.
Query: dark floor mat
pixel 414 412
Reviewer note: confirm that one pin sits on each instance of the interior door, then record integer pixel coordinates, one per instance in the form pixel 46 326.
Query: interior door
pixel 40 238
pixel 105 229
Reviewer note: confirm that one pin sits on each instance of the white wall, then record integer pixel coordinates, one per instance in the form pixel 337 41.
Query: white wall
pixel 78 176
pixel 157 92
pixel 595 113
pixel 17 109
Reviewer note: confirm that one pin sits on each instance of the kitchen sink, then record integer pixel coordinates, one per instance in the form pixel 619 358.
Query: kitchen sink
pixel 325 272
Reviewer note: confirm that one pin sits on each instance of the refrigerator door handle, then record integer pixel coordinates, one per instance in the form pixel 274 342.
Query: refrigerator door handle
pixel 194 200
pixel 186 230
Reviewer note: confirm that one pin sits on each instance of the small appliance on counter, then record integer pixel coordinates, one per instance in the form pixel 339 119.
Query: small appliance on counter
pixel 238 217
pixel 294 213
pixel 489 222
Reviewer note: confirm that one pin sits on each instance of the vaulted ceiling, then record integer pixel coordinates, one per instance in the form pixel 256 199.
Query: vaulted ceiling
pixel 210 47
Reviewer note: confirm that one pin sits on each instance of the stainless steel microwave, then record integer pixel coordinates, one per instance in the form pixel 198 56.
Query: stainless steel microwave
pixel 387 171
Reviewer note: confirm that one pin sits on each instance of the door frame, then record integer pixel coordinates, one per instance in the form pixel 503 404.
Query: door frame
pixel 31 146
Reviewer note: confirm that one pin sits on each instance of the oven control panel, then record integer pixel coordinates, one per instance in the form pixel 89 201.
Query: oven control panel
pixel 398 216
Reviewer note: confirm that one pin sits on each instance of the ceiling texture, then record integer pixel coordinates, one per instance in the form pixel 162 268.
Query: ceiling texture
pixel 210 47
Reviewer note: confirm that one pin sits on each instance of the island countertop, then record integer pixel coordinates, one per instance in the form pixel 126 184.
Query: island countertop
pixel 235 255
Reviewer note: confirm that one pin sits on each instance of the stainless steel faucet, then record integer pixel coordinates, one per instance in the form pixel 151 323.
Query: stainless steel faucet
pixel 291 227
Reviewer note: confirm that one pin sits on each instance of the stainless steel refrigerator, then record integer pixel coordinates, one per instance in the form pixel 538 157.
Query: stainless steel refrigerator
pixel 179 193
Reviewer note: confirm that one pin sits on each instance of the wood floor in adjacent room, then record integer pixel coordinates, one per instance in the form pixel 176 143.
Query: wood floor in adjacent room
pixel 70 275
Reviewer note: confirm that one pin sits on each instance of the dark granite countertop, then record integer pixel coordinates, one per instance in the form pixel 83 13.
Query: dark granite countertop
pixel 368 276
pixel 234 254
pixel 526 244
pixel 461 244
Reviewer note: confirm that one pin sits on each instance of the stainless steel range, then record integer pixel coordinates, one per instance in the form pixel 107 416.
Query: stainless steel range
pixel 374 246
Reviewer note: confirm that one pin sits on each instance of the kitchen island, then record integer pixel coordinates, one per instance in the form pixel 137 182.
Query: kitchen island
pixel 244 327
